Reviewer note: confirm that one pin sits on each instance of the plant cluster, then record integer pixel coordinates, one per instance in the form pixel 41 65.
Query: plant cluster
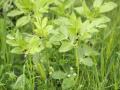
pixel 55 38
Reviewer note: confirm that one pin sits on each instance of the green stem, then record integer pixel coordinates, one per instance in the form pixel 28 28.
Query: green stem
pixel 77 63
pixel 77 59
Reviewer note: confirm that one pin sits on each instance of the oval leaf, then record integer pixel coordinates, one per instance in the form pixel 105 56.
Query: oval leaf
pixel 20 83
pixel 97 3
pixel 86 61
pixel 66 46
pixel 14 13
pixel 106 7
pixel 68 83
pixel 58 75
pixel 22 21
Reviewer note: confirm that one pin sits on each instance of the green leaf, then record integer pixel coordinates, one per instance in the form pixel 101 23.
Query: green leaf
pixel 9 36
pixel 62 21
pixel 64 31
pixel 80 10
pixel 58 75
pixel 75 25
pixel 86 9
pixel 57 38
pixel 25 5
pixel 87 51
pixel 106 7
pixel 18 36
pixel 44 22
pixel 18 4
pixel 97 3
pixel 17 50
pixel 34 45
pixel 86 61
pixel 20 83
pixel 66 46
pixel 14 13
pixel 22 21
pixel 12 43
pixel 48 44
pixel 1 3
pixel 68 83
pixel 98 21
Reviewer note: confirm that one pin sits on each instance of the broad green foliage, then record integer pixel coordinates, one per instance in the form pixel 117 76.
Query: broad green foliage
pixel 106 7
pixel 20 83
pixel 51 36
pixel 98 7
pixel 59 75
pixel 97 3
pixel 14 13
pixel 68 83
pixel 42 29
pixel 22 21
pixel 24 45
pixel 66 46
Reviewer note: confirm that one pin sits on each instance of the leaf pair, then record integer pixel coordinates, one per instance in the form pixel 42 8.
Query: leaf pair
pixel 22 21
pixel 67 82
pixel 99 7
pixel 42 27
pixel 104 7
pixel 24 45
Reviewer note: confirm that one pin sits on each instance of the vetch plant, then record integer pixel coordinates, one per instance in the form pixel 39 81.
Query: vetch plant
pixel 60 28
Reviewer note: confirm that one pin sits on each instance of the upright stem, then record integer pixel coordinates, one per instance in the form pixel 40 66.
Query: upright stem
pixel 77 59
pixel 77 63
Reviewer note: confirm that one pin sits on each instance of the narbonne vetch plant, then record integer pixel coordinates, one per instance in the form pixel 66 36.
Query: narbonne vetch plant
pixel 47 31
